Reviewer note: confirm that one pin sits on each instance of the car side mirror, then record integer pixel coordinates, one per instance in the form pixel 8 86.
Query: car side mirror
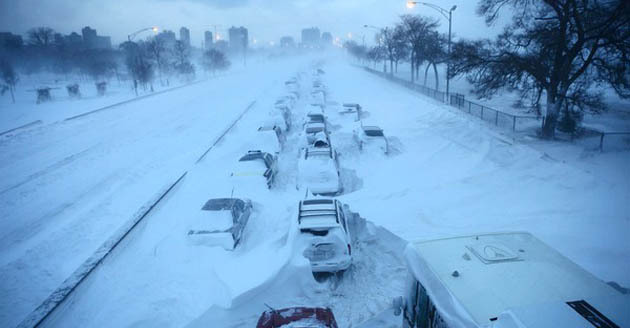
pixel 399 304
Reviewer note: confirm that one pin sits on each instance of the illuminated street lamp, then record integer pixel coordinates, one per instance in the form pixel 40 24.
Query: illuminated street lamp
pixel 448 14
pixel 132 35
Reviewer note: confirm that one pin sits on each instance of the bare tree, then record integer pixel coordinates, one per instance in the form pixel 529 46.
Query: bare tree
pixel 214 60
pixel 182 59
pixel 417 29
pixel 41 36
pixel 159 51
pixel 9 77
pixel 138 64
pixel 552 48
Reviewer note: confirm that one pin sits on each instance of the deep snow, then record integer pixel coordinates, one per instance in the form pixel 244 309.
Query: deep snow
pixel 447 174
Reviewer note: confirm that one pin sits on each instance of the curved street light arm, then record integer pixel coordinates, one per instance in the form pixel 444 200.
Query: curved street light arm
pixel 439 9
pixel 133 35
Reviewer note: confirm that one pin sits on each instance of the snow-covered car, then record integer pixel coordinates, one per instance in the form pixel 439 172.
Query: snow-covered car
pixel 220 222
pixel 503 280
pixel 280 117
pixel 270 138
pixel 297 317
pixel 254 166
pixel 323 223
pixel 319 171
pixel 351 108
pixel 371 137
pixel 312 129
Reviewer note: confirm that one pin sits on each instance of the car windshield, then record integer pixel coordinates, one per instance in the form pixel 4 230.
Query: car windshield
pixel 314 129
pixel 373 132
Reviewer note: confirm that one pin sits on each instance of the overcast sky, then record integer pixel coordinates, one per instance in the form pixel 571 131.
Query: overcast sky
pixel 267 20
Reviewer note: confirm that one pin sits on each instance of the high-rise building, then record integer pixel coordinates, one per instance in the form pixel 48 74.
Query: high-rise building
pixel 327 39
pixel 238 38
pixel 310 37
pixel 208 40
pixel 184 36
pixel 92 41
pixel 89 37
pixel 287 42
pixel 167 37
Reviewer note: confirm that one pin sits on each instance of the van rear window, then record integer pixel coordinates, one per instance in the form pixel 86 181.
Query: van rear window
pixel 319 233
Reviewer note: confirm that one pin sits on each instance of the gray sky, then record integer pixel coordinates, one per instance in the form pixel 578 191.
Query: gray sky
pixel 267 20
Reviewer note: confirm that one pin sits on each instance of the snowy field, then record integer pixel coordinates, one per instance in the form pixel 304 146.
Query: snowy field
pixel 67 186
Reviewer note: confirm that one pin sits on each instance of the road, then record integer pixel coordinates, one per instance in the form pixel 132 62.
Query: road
pixel 66 187
pixel 447 175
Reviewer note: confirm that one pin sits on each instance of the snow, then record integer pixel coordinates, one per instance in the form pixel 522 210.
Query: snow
pixel 212 220
pixel 68 185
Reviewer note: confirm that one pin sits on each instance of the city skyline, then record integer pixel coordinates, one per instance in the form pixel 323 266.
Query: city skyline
pixel 340 18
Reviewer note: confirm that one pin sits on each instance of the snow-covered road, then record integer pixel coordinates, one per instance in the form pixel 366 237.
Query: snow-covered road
pixel 66 187
pixel 447 175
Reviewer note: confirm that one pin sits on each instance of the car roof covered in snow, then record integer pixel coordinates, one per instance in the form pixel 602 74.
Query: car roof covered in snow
pixel 317 212
pixel 491 273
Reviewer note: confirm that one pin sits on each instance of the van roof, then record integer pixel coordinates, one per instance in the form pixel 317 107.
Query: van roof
pixel 491 273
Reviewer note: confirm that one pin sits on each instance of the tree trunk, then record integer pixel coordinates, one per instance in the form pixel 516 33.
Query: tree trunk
pixel 12 95
pixel 437 81
pixel 391 67
pixel 412 67
pixel 551 117
pixel 426 74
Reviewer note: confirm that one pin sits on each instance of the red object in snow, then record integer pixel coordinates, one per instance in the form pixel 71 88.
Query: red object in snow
pixel 278 318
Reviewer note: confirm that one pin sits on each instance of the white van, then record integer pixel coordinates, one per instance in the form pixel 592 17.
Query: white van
pixel 505 280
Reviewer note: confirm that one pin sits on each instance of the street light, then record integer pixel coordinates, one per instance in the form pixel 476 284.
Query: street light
pixel 448 14
pixel 132 35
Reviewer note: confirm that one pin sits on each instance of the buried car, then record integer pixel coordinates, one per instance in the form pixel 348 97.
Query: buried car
pixel 371 137
pixel 270 137
pixel 323 223
pixel 220 223
pixel 319 171
pixel 257 165
pixel 297 317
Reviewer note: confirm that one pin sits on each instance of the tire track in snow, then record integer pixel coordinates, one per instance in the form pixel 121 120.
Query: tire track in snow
pixel 226 131
pixel 69 285
pixel 51 168
pixel 39 315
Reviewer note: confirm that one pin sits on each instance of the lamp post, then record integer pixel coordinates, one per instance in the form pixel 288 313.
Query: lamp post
pixel 448 14
pixel 379 43
pixel 132 35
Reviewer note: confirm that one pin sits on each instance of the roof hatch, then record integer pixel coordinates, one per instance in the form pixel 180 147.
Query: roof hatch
pixel 493 253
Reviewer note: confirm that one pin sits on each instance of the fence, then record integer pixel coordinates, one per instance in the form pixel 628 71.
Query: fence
pixel 499 118
pixel 490 115
pixel 494 116
pixel 435 94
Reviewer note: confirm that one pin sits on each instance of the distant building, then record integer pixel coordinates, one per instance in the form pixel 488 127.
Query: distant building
pixel 221 45
pixel 184 36
pixel 310 37
pixel 327 39
pixel 92 41
pixel 239 37
pixel 208 41
pixel 168 37
pixel 73 38
pixel 287 42
pixel 10 41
